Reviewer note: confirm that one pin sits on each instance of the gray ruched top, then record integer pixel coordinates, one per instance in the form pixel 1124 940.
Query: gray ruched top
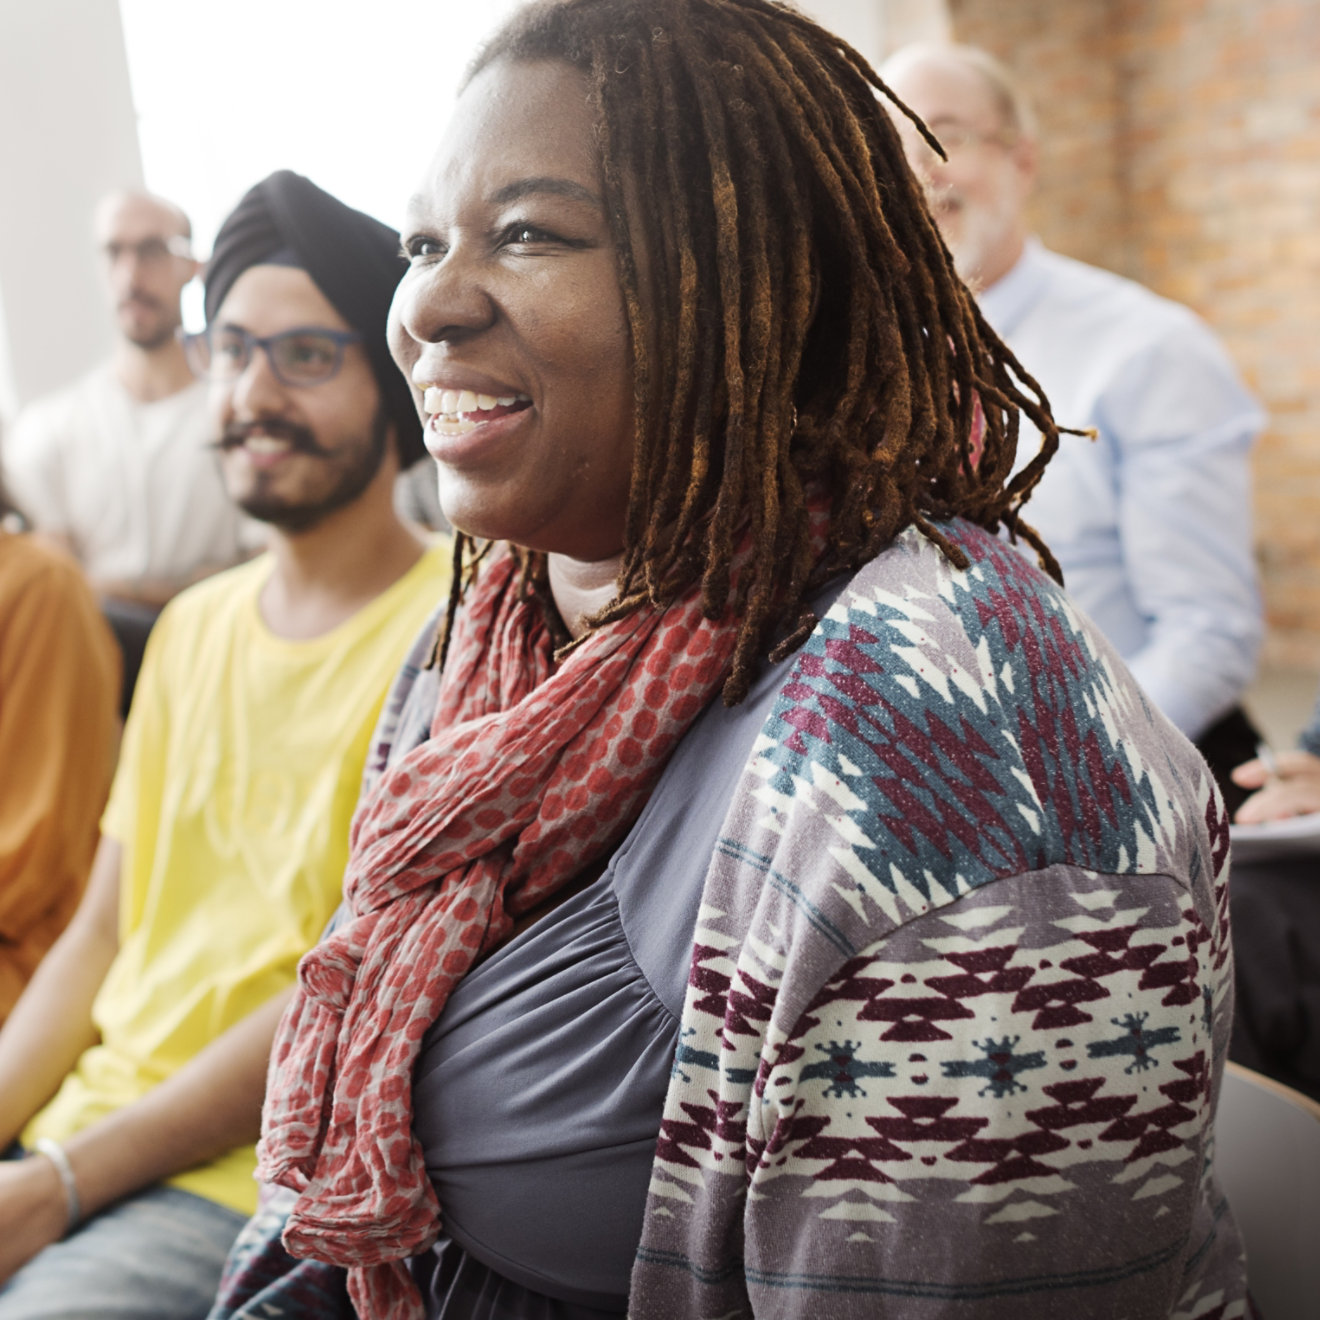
pixel 539 1090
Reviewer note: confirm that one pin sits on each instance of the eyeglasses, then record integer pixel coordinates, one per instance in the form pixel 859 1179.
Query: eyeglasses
pixel 306 355
pixel 956 138
pixel 961 139
pixel 149 251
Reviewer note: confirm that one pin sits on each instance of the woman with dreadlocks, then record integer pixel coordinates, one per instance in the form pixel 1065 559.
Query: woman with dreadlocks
pixel 775 899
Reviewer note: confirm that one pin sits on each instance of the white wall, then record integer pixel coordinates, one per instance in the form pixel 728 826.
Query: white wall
pixel 69 136
pixel 916 20
pixel 878 27
pixel 352 94
pixel 861 23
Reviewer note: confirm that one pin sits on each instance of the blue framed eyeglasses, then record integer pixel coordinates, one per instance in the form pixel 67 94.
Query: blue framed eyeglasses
pixel 305 355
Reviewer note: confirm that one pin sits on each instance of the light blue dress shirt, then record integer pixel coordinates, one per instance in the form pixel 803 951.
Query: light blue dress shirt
pixel 1151 522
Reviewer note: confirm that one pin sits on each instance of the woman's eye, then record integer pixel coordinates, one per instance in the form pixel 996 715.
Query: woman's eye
pixel 523 233
pixel 421 247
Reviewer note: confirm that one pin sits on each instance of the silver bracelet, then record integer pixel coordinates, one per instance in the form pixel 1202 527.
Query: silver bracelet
pixel 54 1152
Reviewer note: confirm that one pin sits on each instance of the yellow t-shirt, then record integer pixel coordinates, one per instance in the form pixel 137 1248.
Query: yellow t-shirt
pixel 237 780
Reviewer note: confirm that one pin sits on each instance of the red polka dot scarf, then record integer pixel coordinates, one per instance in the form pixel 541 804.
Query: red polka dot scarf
pixel 531 772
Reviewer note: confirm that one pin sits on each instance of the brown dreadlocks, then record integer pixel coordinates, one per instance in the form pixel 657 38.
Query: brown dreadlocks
pixel 797 327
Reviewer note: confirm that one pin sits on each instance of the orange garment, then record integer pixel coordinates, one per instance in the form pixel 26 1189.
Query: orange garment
pixel 59 689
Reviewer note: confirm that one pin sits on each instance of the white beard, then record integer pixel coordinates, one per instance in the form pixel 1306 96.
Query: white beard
pixel 974 232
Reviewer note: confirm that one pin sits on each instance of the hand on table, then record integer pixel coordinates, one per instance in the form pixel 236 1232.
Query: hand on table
pixel 1293 791
pixel 33 1211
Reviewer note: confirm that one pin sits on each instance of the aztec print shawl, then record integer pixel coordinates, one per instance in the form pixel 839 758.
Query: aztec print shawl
pixel 530 774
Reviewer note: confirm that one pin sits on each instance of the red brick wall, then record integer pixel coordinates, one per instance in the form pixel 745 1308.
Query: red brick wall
pixel 1181 146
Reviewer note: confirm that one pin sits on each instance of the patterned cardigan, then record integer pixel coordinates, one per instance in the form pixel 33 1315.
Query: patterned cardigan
pixel 960 988
pixel 961 985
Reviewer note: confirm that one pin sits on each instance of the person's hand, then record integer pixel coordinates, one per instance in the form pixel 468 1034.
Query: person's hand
pixel 1293 791
pixel 33 1211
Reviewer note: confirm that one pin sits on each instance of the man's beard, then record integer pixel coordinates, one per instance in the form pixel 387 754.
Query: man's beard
pixel 356 474
pixel 983 227
pixel 157 332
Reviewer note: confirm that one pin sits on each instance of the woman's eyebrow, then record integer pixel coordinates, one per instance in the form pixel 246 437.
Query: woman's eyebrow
pixel 519 188
pixel 418 205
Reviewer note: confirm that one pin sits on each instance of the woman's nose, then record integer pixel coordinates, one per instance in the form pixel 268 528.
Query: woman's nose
pixel 444 301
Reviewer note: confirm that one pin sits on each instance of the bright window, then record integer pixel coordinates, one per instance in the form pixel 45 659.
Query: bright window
pixel 352 94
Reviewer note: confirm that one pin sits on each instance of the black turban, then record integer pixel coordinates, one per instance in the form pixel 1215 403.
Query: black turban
pixel 353 259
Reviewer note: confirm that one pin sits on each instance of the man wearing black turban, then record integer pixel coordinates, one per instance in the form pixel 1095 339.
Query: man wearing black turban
pixel 223 845
pixel 287 220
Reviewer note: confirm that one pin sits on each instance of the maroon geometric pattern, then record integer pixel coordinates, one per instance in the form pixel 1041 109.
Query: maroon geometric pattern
pixel 951 1004
pixel 1088 1063
pixel 937 1061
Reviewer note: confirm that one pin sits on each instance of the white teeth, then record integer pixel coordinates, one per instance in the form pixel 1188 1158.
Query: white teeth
pixel 455 425
pixel 265 444
pixel 460 403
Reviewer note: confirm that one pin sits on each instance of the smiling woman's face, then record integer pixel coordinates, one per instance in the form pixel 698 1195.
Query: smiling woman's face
pixel 510 321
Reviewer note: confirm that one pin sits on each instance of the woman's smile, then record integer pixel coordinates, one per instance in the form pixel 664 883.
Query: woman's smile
pixel 463 427
pixel 457 412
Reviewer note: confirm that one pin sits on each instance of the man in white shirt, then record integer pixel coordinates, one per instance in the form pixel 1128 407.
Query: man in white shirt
pixel 118 467
pixel 1151 523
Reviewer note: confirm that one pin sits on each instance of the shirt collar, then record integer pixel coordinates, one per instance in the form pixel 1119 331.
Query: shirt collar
pixel 1012 296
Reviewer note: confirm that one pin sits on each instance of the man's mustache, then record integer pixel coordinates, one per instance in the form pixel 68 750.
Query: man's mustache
pixel 943 195
pixel 144 300
pixel 300 438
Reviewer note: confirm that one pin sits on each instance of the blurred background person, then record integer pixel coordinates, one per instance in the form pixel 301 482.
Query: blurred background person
pixel 1290 786
pixel 117 468
pixel 1151 523
pixel 59 689
pixel 1276 922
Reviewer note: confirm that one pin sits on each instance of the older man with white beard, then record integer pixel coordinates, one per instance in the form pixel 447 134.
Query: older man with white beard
pixel 1152 522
